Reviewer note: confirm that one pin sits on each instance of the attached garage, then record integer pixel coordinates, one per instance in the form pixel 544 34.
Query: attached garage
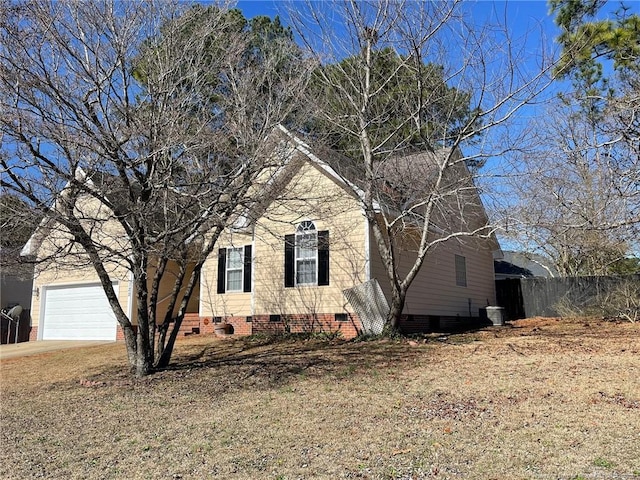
pixel 76 312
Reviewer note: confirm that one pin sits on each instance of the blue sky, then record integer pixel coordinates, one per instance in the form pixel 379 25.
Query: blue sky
pixel 527 21
pixel 521 14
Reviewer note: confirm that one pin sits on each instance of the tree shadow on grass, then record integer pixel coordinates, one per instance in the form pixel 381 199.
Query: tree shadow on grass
pixel 271 362
pixel 279 359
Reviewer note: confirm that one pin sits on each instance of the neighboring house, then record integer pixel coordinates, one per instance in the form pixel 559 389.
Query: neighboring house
pixel 282 266
pixel 68 301
pixel 287 267
pixel 16 280
pixel 16 284
pixel 523 265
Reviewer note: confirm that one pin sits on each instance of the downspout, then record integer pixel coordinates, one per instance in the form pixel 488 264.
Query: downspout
pixel 367 248
pixel 201 296
pixel 130 299
pixel 253 275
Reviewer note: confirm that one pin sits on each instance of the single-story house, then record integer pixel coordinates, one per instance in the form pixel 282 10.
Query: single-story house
pixel 284 265
pixel 286 268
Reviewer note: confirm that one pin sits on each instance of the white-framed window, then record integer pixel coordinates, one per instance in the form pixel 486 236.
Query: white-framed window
pixel 235 270
pixel 306 254
pixel 461 271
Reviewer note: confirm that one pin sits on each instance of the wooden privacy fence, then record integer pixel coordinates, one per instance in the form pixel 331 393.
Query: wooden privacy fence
pixel 544 297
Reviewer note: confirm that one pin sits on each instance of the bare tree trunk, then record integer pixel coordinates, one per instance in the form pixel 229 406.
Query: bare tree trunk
pixel 154 131
pixel 130 343
pixel 167 349
pixel 144 343
pixel 164 327
pixel 398 297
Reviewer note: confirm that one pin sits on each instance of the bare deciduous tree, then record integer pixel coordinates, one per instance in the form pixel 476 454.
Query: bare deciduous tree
pixel 384 110
pixel 137 128
pixel 574 193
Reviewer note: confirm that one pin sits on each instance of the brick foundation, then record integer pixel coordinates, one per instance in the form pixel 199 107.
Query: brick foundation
pixel 324 322
pixel 190 324
pixel 206 325
pixel 419 323
pixel 231 325
pixel 347 324
pixel 119 334
pixel 193 324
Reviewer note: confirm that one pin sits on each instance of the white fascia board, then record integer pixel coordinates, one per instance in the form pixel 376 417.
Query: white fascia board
pixel 28 248
pixel 306 150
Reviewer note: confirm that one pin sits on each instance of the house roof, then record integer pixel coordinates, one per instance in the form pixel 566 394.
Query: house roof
pixel 338 167
pixel 524 265
pixel 408 175
pixel 404 180
pixel 506 269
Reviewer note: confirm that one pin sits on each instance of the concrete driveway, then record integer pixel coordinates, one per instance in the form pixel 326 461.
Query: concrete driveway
pixel 33 348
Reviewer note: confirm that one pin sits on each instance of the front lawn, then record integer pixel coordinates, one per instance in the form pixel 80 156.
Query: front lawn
pixel 540 399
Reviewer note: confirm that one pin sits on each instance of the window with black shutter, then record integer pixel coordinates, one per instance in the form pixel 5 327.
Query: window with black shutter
pixel 234 269
pixel 323 257
pixel 247 269
pixel 222 270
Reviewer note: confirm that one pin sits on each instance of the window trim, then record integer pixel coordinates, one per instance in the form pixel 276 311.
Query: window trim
pixel 305 228
pixel 323 273
pixel 235 269
pixel 246 252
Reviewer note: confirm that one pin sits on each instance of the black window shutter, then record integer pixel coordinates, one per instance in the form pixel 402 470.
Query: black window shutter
pixel 289 260
pixel 222 269
pixel 323 257
pixel 247 269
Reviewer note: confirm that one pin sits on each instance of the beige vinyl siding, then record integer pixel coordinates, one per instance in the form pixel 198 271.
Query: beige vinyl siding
pixel 310 195
pixel 434 291
pixel 61 266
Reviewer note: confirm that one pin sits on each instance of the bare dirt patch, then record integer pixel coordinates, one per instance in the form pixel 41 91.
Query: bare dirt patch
pixel 541 398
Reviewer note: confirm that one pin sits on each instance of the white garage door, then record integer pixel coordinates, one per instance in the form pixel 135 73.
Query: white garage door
pixel 79 312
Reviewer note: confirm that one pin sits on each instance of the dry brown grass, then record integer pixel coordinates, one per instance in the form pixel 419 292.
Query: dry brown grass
pixel 542 399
